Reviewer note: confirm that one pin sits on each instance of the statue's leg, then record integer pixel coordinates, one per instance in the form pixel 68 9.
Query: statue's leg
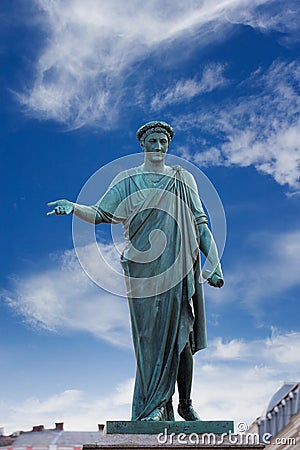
pixel 169 411
pixel 185 373
pixel 184 382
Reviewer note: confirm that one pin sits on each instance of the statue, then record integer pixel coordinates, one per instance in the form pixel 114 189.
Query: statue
pixel 164 226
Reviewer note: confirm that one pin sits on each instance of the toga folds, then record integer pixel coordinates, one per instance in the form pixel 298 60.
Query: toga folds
pixel 161 214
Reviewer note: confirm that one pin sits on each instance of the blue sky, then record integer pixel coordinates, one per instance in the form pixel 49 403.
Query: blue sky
pixel 77 80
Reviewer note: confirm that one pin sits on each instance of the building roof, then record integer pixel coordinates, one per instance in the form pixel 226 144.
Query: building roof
pixel 284 404
pixel 5 441
pixel 54 437
pixel 282 392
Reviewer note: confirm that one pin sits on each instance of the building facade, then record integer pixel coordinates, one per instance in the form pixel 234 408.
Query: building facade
pixel 280 421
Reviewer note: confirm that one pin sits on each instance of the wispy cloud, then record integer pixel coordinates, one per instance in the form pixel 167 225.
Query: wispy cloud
pixel 262 129
pixel 77 409
pixel 58 403
pixel 90 48
pixel 275 15
pixel 184 90
pixel 237 378
pixel 233 380
pixel 63 298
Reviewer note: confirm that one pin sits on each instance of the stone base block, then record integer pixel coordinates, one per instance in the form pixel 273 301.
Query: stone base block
pixel 203 435
pixel 172 441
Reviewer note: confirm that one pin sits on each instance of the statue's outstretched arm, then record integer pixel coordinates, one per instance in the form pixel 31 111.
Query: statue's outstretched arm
pixel 87 213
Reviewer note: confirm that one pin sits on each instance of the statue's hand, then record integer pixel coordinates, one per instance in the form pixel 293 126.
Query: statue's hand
pixel 215 281
pixel 61 207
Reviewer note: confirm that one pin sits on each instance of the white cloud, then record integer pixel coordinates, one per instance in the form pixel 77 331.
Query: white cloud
pixel 212 78
pixel 229 351
pixel 75 408
pixel 236 379
pixel 232 380
pixel 276 15
pixel 91 47
pixel 272 351
pixel 63 298
pixel 57 403
pixel 262 129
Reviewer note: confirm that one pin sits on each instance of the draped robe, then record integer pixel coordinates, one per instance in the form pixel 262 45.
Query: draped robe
pixel 161 262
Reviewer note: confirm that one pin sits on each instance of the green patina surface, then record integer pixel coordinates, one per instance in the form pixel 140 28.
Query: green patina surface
pixel 148 427
pixel 165 227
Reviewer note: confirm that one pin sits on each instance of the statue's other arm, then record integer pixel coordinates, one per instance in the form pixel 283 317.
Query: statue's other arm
pixel 207 242
pixel 209 249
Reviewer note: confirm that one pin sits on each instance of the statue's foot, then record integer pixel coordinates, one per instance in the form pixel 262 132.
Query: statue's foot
pixel 186 410
pixel 156 415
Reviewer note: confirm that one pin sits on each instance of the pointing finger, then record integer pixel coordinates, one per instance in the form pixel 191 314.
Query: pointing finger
pixel 51 213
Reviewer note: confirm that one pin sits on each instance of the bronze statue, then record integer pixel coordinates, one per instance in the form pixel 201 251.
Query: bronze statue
pixel 162 273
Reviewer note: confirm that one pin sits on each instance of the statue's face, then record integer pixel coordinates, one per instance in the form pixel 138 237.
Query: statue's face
pixel 156 144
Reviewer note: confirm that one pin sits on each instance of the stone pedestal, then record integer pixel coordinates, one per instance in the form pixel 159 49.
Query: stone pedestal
pixel 150 442
pixel 202 435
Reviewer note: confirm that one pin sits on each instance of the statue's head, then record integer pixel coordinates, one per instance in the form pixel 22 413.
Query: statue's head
pixel 154 127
